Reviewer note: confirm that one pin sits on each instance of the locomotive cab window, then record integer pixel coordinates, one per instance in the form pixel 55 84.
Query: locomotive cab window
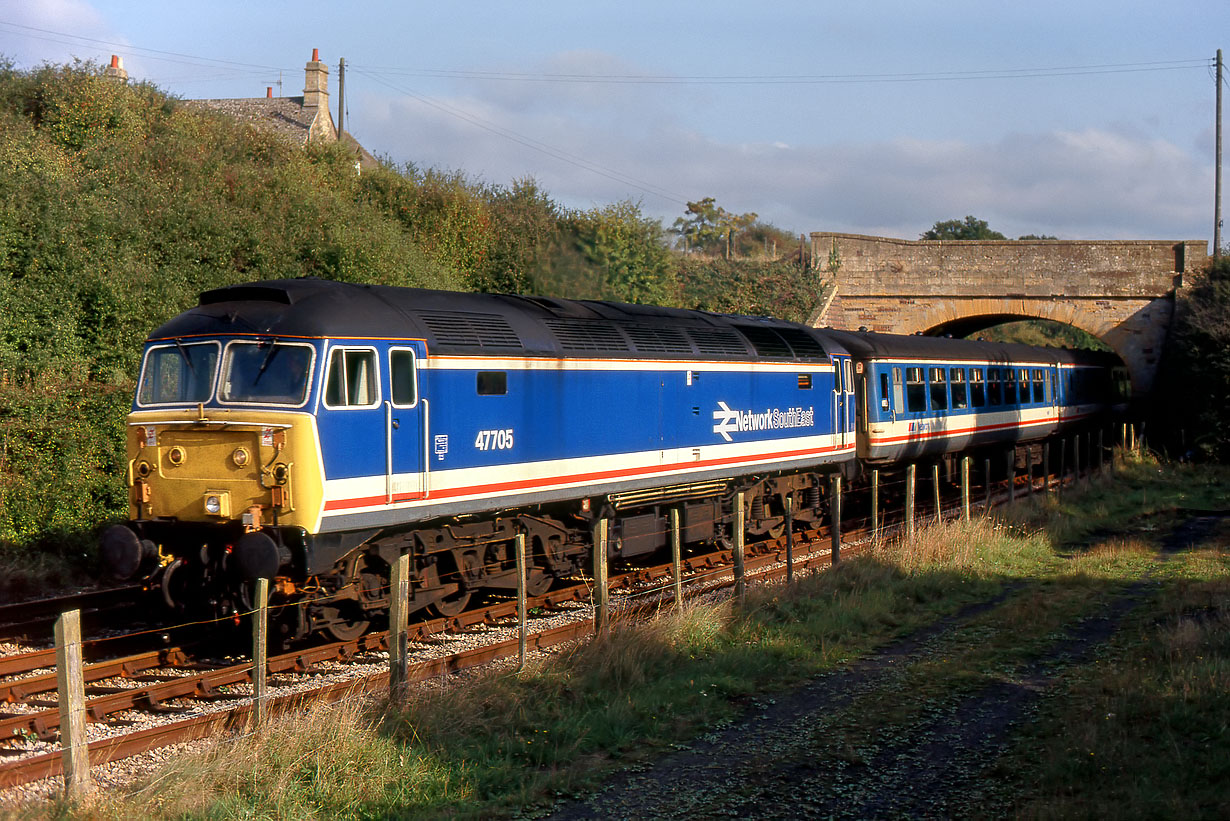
pixel 178 373
pixel 492 383
pixel 403 380
pixel 266 373
pixel 352 378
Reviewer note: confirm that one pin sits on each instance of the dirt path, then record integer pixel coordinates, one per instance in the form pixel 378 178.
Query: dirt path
pixel 780 760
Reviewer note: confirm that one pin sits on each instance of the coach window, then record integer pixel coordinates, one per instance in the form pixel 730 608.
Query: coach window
pixel 995 395
pixel 352 378
pixel 915 390
pixel 957 377
pixel 402 377
pixel 884 399
pixel 939 389
pixel 492 383
pixel 897 391
pixel 977 390
pixel 1010 396
pixel 1039 385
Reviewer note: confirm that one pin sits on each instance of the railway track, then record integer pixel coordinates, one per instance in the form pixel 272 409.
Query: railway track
pixel 28 619
pixel 170 680
pixel 163 680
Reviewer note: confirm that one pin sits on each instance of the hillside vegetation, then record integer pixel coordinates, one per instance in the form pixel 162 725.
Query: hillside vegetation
pixel 118 205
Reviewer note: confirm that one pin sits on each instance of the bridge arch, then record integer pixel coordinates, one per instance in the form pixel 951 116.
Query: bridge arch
pixel 1121 292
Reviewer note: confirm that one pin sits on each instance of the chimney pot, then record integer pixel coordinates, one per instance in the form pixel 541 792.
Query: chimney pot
pixel 269 92
pixel 115 61
pixel 315 55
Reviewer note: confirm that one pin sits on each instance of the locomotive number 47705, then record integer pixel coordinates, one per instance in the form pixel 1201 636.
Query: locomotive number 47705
pixel 494 439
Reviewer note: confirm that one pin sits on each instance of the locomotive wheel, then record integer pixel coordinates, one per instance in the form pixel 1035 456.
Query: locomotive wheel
pixel 451 605
pixel 340 625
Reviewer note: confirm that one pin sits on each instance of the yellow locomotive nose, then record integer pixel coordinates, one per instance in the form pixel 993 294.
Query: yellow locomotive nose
pixel 210 469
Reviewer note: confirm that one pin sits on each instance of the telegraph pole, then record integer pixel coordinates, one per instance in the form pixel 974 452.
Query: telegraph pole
pixel 1217 172
pixel 341 96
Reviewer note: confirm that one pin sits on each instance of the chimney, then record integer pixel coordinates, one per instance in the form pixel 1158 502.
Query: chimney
pixel 116 69
pixel 316 87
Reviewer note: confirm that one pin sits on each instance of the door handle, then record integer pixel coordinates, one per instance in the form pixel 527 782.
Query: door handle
pixel 396 424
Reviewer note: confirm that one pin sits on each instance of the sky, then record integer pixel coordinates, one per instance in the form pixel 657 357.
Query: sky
pixel 1080 120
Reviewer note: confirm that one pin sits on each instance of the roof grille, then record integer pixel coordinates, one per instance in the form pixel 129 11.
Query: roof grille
pixel 766 341
pixel 471 330
pixel 658 339
pixel 804 344
pixel 587 335
pixel 715 341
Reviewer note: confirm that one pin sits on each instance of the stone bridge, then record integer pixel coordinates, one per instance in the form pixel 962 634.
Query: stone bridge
pixel 1121 291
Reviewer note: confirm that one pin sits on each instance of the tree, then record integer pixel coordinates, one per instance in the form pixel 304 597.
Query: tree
pixel 710 226
pixel 969 228
pixel 1037 236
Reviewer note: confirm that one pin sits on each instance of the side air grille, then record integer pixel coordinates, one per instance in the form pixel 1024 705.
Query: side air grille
pixel 766 341
pixel 587 335
pixel 658 339
pixel 714 341
pixel 471 330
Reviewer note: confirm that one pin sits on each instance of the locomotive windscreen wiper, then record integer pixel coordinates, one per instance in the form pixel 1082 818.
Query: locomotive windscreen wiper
pixel 184 353
pixel 273 349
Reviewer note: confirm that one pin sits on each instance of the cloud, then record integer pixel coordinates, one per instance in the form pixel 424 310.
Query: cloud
pixel 590 144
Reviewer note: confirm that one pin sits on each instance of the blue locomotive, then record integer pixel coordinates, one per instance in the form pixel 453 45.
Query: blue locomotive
pixel 311 432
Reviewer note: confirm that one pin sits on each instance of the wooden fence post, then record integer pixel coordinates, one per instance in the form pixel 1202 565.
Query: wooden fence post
pixel 986 480
pixel 677 558
pixel 935 486
pixel 875 503
pixel 965 460
pixel 910 474
pixel 399 636
pixel 835 515
pixel 70 687
pixel 602 623
pixel 739 527
pixel 521 602
pixel 789 539
pixel 260 654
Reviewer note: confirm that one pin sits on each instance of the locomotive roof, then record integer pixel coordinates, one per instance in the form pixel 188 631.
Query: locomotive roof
pixel 491 324
pixel 869 344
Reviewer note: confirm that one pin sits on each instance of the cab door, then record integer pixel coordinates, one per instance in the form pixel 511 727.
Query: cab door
pixel 408 443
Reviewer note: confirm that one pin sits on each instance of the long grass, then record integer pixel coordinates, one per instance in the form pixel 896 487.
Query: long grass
pixel 502 741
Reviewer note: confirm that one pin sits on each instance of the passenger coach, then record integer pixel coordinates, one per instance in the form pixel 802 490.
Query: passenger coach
pixel 924 396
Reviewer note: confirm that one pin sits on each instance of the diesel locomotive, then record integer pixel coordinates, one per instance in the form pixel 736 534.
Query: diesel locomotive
pixel 311 432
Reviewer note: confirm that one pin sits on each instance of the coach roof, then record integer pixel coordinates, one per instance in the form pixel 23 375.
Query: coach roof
pixel 489 324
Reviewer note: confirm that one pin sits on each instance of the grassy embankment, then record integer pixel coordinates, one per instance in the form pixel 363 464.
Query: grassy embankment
pixel 1138 727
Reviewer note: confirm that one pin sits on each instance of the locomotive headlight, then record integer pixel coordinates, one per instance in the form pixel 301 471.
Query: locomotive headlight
pixel 217 503
pixel 144 468
pixel 240 457
pixel 177 455
pixel 281 473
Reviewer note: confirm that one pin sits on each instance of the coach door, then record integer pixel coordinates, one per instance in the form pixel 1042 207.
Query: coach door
pixel 407 453
pixel 843 401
